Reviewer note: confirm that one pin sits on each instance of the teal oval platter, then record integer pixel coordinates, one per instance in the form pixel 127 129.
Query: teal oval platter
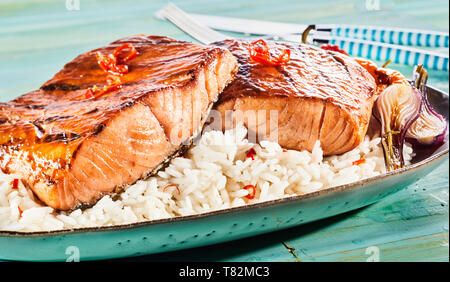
pixel 223 225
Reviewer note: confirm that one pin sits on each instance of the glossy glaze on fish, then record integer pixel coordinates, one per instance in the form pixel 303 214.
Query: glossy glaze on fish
pixel 71 150
pixel 317 95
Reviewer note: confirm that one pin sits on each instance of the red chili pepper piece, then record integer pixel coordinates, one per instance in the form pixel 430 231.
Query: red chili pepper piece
pixel 172 185
pixel 251 191
pixel 110 64
pixel 113 83
pixel 133 52
pixel 334 48
pixel 113 80
pixel 20 211
pixel 251 154
pixel 15 183
pixel 358 162
pixel 260 53
pixel 105 62
pixel 283 58
pixel 89 93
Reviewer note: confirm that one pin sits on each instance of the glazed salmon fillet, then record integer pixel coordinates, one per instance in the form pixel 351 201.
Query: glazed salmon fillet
pixel 317 95
pixel 70 150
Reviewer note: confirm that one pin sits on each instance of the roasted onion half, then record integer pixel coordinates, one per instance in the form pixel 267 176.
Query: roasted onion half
pixel 405 114
pixel 397 107
pixel 430 127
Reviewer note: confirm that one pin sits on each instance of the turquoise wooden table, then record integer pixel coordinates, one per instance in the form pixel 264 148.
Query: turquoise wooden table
pixel 38 37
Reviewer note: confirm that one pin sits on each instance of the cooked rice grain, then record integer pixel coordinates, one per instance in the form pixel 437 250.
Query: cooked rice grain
pixel 211 177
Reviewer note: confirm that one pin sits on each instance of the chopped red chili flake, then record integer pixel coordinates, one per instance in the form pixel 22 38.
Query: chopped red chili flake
pixel 15 183
pixel 260 53
pixel 110 63
pixel 251 154
pixel 251 191
pixel 358 162
pixel 20 211
pixel 133 52
pixel 95 92
pixel 334 48
pixel 172 185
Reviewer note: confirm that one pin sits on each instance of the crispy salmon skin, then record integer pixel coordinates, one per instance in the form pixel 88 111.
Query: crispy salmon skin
pixel 71 151
pixel 317 95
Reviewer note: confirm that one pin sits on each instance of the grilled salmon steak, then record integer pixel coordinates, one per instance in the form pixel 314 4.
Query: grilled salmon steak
pixel 316 95
pixel 71 148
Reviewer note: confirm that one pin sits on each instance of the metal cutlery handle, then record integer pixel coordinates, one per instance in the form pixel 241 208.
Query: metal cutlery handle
pixel 189 25
pixel 355 47
pixel 390 35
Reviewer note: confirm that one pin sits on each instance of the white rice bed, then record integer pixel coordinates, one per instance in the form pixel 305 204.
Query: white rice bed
pixel 211 177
